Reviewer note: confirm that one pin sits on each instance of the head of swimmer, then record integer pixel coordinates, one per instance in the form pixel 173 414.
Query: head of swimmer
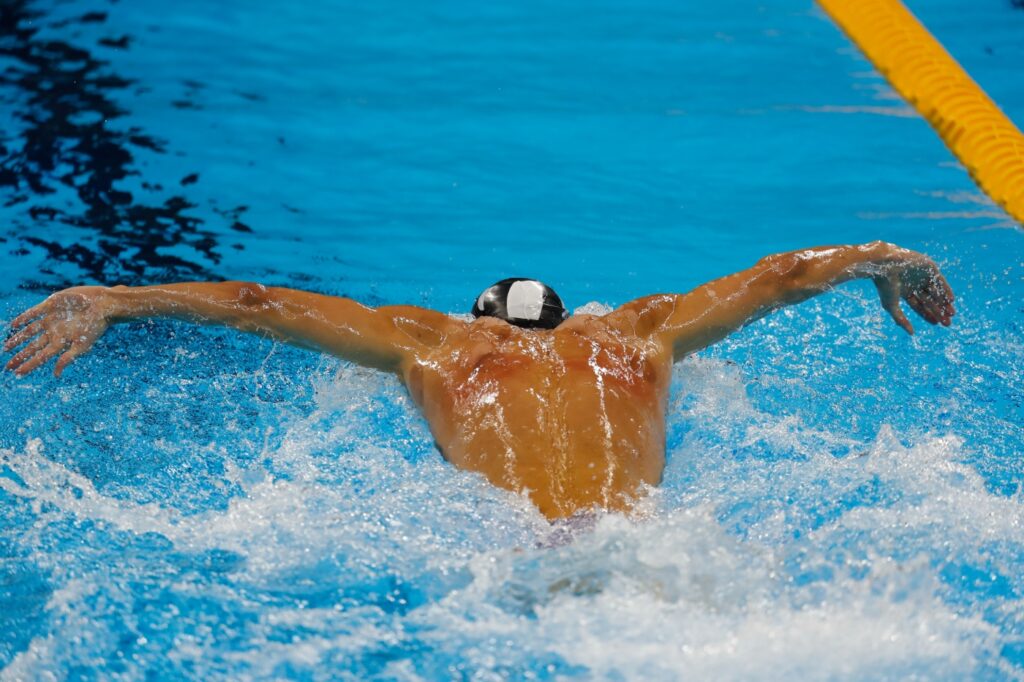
pixel 523 302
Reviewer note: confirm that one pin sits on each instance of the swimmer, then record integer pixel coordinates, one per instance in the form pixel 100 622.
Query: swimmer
pixel 569 410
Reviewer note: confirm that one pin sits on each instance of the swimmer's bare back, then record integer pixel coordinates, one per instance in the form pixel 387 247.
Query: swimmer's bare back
pixel 574 417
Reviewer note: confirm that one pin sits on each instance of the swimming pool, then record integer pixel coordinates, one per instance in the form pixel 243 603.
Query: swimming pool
pixel 840 501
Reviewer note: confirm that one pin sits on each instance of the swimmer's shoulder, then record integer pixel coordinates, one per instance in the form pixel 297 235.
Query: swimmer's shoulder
pixel 478 337
pixel 584 331
pixel 644 317
pixel 620 325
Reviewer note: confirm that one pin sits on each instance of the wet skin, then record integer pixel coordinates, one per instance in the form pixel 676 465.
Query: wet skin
pixel 575 415
pixel 572 417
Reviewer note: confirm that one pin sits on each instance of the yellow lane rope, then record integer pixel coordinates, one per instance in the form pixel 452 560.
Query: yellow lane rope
pixel 916 64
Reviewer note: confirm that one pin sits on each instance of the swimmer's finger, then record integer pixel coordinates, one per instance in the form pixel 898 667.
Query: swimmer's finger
pixel 23 335
pixel 915 305
pixel 932 302
pixel 938 295
pixel 30 314
pixel 943 295
pixel 901 319
pixel 937 306
pixel 70 354
pixel 39 358
pixel 888 292
pixel 27 352
pixel 919 308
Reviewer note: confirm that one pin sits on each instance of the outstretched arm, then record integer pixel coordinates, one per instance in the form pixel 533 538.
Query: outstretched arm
pixel 710 312
pixel 69 322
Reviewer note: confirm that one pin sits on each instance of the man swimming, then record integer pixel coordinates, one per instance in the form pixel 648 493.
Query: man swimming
pixel 568 410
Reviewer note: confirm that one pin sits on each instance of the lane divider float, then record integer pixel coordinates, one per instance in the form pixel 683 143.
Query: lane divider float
pixel 985 140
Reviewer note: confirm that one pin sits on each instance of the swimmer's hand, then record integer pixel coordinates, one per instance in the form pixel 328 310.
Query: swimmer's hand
pixel 914 278
pixel 66 323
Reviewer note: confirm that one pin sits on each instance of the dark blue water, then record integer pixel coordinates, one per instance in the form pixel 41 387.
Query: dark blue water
pixel 841 501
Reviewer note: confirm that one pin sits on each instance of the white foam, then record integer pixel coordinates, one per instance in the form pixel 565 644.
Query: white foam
pixel 593 308
pixel 808 589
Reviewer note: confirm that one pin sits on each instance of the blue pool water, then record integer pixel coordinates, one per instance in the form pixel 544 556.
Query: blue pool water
pixel 841 501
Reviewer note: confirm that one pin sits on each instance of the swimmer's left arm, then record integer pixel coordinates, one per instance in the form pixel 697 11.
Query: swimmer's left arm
pixel 712 311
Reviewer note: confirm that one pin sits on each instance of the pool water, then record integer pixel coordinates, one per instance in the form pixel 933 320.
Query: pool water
pixel 841 501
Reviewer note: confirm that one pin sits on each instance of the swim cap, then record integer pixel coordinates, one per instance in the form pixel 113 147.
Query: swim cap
pixel 522 302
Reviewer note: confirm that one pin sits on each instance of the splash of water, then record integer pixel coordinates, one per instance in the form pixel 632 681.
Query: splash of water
pixel 787 560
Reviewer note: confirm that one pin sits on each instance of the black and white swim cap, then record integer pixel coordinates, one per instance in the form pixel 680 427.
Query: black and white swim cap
pixel 522 302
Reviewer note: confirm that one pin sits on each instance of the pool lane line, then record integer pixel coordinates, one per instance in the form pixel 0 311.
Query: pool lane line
pixel 985 140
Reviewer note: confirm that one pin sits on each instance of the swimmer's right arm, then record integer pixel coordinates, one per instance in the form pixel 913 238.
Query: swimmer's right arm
pixel 70 321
